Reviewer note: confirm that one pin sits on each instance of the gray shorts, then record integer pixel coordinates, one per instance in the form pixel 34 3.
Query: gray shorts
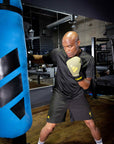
pixel 78 107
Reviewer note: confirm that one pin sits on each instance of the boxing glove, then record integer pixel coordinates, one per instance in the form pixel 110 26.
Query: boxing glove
pixel 74 66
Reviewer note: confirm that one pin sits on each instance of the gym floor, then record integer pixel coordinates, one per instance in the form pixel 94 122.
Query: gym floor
pixel 74 132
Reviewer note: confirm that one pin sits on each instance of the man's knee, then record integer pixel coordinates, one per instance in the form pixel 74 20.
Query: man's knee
pixel 90 123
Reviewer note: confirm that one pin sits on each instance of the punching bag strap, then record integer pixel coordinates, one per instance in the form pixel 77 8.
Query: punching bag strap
pixel 6 2
pixel 6 6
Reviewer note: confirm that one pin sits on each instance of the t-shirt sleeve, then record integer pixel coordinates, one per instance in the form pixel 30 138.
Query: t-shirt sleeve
pixel 90 68
pixel 51 58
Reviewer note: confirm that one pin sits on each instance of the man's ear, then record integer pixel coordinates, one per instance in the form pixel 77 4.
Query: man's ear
pixel 78 42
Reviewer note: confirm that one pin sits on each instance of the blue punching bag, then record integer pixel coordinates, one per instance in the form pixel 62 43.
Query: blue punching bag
pixel 15 106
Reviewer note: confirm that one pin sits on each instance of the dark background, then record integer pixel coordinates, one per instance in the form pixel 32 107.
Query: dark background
pixel 97 9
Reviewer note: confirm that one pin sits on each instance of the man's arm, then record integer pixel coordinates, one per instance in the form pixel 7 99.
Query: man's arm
pixel 85 83
pixel 74 66
pixel 49 58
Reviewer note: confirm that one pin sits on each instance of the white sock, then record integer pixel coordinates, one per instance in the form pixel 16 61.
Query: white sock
pixel 39 142
pixel 99 141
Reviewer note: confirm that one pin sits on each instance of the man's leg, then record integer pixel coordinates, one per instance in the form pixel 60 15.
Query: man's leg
pixel 46 130
pixel 94 131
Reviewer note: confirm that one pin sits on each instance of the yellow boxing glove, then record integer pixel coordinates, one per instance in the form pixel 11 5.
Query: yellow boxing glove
pixel 74 66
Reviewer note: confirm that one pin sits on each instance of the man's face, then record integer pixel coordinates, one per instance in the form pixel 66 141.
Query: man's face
pixel 71 47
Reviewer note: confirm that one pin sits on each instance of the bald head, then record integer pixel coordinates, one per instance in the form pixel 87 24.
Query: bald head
pixel 71 43
pixel 71 35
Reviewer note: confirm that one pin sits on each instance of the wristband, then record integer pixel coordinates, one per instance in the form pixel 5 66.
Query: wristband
pixel 79 78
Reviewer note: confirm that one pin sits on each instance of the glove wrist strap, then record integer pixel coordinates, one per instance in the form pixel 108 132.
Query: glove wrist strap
pixel 79 78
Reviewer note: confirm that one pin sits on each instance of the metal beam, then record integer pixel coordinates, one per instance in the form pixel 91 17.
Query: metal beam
pixel 112 46
pixel 60 21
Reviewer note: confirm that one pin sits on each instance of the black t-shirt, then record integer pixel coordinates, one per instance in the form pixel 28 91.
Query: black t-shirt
pixel 65 82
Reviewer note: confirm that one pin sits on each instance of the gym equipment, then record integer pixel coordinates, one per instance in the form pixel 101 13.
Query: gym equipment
pixel 105 61
pixel 15 106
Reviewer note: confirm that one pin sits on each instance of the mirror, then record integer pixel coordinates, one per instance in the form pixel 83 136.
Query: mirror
pixel 44 30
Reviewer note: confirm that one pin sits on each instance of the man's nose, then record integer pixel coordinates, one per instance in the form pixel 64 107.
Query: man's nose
pixel 68 49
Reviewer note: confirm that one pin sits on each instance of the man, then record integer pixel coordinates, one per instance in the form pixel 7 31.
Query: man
pixel 74 74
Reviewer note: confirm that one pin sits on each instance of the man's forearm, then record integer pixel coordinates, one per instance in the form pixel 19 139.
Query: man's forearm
pixel 85 83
